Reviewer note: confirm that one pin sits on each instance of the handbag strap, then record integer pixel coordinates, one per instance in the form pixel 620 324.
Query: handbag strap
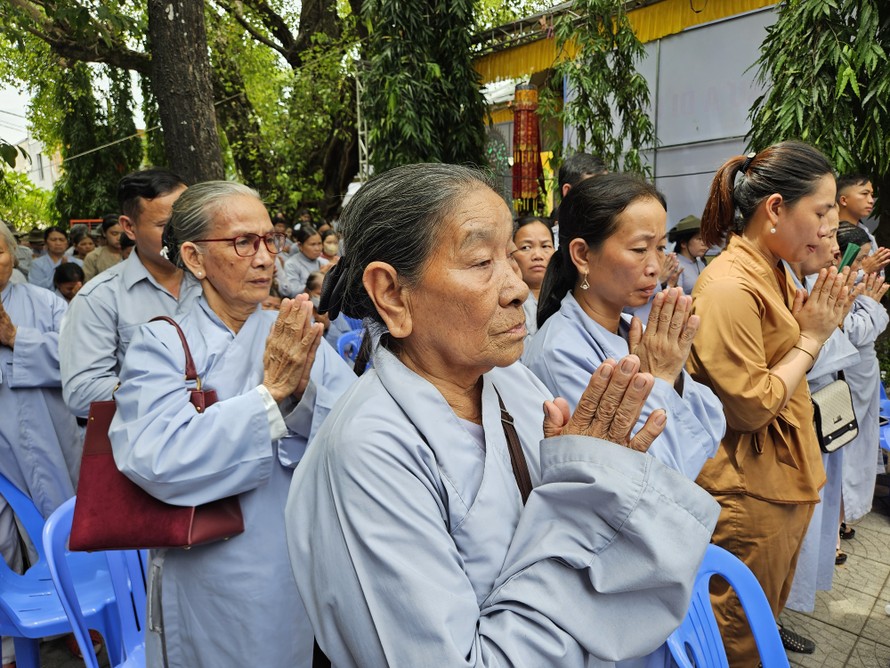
pixel 517 457
pixel 190 372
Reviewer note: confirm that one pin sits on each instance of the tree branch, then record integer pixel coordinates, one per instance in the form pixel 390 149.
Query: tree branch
pixel 64 43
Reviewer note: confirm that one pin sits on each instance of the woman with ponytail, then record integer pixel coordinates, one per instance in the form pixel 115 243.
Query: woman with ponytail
pixel 449 511
pixel 221 604
pixel 612 238
pixel 758 337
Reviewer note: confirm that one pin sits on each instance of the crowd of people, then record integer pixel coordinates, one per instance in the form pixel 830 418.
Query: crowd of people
pixel 549 420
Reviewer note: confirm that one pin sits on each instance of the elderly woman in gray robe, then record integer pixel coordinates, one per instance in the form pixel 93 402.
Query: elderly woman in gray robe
pixel 410 539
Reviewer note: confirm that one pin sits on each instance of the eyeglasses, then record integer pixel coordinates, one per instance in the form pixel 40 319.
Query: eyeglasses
pixel 247 245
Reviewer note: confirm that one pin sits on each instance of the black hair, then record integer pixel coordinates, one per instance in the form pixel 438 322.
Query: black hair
pixel 67 272
pixel 792 169
pixel 578 167
pixel 127 242
pixel 110 220
pixel 590 212
pixel 54 228
pixel 844 181
pixel 304 233
pixel 328 232
pixel 848 233
pixel 522 221
pixel 146 184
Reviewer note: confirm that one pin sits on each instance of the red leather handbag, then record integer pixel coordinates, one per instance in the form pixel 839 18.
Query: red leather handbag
pixel 112 512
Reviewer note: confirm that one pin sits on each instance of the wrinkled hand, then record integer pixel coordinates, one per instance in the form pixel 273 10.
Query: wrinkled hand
pixel 669 267
pixel 7 329
pixel 819 313
pixel 609 407
pixel 290 349
pixel 665 345
pixel 874 286
pixel 876 261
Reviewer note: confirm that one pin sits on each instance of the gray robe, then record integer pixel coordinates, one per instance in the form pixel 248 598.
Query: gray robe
pixel 411 547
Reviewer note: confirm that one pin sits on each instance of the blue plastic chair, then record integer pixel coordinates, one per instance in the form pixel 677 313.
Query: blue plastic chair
pixel 126 585
pixel 348 345
pixel 354 323
pixel 884 418
pixel 30 608
pixel 697 643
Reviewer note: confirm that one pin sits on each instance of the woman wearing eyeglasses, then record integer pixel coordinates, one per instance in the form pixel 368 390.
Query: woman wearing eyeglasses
pixel 218 604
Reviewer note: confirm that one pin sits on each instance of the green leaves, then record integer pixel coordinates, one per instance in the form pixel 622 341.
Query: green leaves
pixel 611 99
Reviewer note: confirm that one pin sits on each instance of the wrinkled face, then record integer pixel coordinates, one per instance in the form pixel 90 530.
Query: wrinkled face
pixel 534 247
pixel 696 247
pixel 239 282
pixel 113 237
pixel 624 270
pixel 56 244
pixel 828 253
pixel 148 226
pixel 859 200
pixel 84 247
pixel 69 288
pixel 864 252
pixel 7 261
pixel 466 309
pixel 802 226
pixel 311 248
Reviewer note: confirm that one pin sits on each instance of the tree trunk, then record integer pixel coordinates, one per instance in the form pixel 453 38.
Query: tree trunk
pixel 180 75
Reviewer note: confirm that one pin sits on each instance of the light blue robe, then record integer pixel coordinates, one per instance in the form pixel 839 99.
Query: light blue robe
pixel 40 443
pixel 234 602
pixel 692 269
pixel 41 272
pixel 101 320
pixel 530 308
pixel 296 271
pixel 569 348
pixel 815 562
pixel 863 325
pixel 411 547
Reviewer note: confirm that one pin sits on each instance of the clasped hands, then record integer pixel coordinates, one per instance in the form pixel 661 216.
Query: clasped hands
pixel 290 349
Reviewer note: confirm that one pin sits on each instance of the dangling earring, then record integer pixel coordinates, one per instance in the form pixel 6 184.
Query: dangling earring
pixel 584 283
pixel 772 230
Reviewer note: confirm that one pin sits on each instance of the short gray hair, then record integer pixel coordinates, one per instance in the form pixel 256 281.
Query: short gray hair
pixel 11 244
pixel 195 210
pixel 395 218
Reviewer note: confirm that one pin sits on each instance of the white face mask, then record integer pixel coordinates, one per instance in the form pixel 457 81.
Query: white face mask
pixel 331 248
pixel 315 299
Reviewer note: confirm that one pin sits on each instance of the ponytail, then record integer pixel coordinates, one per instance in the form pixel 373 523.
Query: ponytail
pixel 718 218
pixel 558 280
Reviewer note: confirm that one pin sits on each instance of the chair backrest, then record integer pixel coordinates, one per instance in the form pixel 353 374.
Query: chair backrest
pixel 348 345
pixel 27 512
pixel 697 643
pixel 354 323
pixel 55 538
pixel 127 580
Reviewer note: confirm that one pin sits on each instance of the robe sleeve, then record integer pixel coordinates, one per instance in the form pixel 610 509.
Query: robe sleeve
pixel 35 358
pixel 601 563
pixel 695 421
pixel 865 322
pixel 729 345
pixel 329 377
pixel 88 346
pixel 166 447
pixel 287 285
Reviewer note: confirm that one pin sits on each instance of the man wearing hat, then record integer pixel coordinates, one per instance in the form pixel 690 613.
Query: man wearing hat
pixel 690 250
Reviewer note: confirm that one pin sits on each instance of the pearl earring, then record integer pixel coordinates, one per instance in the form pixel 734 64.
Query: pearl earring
pixel 772 230
pixel 584 283
pixel 200 275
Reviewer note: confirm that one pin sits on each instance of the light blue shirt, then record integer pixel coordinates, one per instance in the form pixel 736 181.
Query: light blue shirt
pixel 569 348
pixel 411 547
pixel 101 320
pixel 229 602
pixel 40 443
pixel 296 270
pixel 692 269
pixel 41 272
